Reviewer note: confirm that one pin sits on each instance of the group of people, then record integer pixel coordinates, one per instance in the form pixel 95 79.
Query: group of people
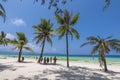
pixel 47 60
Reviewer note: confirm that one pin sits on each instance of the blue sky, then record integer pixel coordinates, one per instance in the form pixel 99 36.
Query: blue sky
pixel 93 21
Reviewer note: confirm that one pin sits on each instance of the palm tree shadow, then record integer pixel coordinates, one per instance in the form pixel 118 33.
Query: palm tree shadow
pixel 72 73
pixel 27 62
pixel 5 67
pixel 57 64
pixel 113 73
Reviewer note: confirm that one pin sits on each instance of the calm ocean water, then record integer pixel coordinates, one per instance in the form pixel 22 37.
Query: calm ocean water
pixel 87 58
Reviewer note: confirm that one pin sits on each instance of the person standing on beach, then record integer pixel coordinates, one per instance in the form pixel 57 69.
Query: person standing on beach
pixel 47 59
pixel 55 59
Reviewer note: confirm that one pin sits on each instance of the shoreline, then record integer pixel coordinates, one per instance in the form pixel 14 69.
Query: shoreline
pixel 78 59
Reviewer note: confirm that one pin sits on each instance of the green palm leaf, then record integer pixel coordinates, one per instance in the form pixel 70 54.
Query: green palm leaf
pixel 76 34
pixel 75 19
pixel 108 37
pixel 61 35
pixel 95 49
pixel 28 48
pixel 59 19
pixel 49 40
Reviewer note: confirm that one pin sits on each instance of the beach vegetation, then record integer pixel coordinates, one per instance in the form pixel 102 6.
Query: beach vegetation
pixel 102 46
pixel 65 29
pixel 3 40
pixel 43 32
pixel 20 44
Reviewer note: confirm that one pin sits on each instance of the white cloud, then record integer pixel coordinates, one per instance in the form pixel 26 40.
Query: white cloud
pixel 10 36
pixel 18 22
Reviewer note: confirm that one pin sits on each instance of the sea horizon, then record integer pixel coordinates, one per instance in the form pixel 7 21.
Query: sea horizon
pixel 73 57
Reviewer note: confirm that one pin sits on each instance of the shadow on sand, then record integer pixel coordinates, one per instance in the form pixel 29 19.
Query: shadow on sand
pixel 10 67
pixel 72 73
pixel 5 67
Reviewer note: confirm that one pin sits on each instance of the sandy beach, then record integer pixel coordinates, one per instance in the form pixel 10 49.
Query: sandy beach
pixel 10 69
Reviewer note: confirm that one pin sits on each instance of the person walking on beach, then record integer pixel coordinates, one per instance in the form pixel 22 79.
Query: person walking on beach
pixel 55 59
pixel 44 60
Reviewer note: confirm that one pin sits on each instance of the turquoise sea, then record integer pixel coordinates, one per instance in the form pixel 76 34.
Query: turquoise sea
pixel 86 58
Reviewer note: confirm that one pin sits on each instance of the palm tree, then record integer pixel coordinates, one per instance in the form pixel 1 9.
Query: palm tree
pixel 66 22
pixel 3 40
pixel 20 43
pixel 44 31
pixel 2 12
pixel 103 46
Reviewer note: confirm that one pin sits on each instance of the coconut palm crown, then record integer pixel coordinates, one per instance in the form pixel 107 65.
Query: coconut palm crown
pixel 3 40
pixel 20 44
pixel 43 32
pixel 103 46
pixel 66 22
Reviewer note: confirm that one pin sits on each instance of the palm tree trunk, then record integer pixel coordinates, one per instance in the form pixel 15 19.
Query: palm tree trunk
pixel 41 54
pixel 105 65
pixel 67 53
pixel 19 56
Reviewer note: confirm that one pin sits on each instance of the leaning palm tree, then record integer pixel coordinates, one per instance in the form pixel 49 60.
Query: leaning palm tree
pixel 103 46
pixel 20 44
pixel 3 40
pixel 66 22
pixel 2 12
pixel 43 33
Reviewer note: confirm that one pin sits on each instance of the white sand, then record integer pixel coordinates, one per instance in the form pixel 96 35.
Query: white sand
pixel 10 69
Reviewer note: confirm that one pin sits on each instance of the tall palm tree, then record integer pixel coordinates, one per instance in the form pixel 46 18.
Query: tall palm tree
pixel 20 43
pixel 44 32
pixel 3 40
pixel 2 12
pixel 66 22
pixel 103 46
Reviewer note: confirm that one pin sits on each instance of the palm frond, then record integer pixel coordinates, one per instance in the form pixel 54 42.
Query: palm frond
pixel 61 35
pixel 59 19
pixel 108 37
pixel 71 34
pixel 49 40
pixel 60 29
pixel 76 34
pixel 92 38
pixel 114 41
pixel 95 49
pixel 28 48
pixel 86 43
pixel 21 37
pixel 75 19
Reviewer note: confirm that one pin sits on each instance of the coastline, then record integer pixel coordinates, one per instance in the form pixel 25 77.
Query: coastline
pixel 80 58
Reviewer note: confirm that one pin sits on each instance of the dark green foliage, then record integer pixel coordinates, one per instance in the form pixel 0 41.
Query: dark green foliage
pixel 102 46
pixel 3 40
pixel 20 43
pixel 43 33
